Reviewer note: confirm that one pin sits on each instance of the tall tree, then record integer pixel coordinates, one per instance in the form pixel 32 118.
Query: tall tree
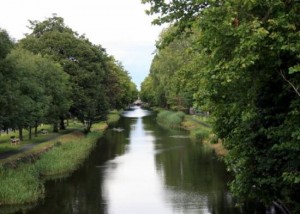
pixel 173 72
pixel 120 90
pixel 250 78
pixel 83 61
pixel 6 44
pixel 26 97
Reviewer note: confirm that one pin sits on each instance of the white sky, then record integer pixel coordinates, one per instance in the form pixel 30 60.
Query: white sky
pixel 120 26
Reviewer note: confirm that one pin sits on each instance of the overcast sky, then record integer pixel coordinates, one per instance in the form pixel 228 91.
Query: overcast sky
pixel 120 26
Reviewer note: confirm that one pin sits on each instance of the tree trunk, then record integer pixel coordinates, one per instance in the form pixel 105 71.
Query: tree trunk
pixel 35 129
pixel 21 133
pixel 283 209
pixel 88 126
pixel 30 132
pixel 55 127
pixel 62 123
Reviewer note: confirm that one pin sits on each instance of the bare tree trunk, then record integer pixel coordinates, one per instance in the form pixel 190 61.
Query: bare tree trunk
pixel 55 127
pixel 35 129
pixel 20 133
pixel 62 123
pixel 88 126
pixel 30 132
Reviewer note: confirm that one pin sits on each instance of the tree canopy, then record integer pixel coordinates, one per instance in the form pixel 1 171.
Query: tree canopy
pixel 88 65
pixel 246 59
pixel 54 72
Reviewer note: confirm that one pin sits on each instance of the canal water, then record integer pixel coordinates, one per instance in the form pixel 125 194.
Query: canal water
pixel 139 167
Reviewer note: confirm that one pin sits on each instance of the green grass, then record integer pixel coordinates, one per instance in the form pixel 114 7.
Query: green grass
pixel 200 133
pixel 20 185
pixel 170 119
pixel 113 117
pixel 24 184
pixel 66 157
pixel 198 127
pixel 6 146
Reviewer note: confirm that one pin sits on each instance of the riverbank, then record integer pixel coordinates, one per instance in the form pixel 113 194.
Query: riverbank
pixel 200 129
pixel 198 126
pixel 22 176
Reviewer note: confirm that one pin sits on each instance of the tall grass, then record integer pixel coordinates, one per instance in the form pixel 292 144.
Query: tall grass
pixel 113 117
pixel 64 158
pixel 20 185
pixel 200 133
pixel 170 119
pixel 24 184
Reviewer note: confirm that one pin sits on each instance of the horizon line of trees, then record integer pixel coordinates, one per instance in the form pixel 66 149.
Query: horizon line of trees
pixel 54 73
pixel 239 60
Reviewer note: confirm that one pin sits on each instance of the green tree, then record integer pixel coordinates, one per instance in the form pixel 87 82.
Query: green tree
pixel 120 90
pixel 147 91
pixel 6 44
pixel 83 61
pixel 173 72
pixel 26 97
pixel 57 87
pixel 249 81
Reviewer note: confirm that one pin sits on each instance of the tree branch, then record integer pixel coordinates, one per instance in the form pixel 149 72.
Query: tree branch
pixel 290 83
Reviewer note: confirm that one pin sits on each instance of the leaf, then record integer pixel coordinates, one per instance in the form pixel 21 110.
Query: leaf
pixel 294 69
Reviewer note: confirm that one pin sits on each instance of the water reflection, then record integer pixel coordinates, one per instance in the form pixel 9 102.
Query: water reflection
pixel 136 112
pixel 133 186
pixel 163 172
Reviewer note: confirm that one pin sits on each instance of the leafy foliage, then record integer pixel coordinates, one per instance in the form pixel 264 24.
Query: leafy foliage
pixel 247 57
pixel 53 73
pixel 93 74
pixel 171 83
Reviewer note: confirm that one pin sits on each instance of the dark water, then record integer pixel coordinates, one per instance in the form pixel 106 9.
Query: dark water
pixel 144 169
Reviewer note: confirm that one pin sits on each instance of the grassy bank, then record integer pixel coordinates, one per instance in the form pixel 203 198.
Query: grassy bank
pixel 200 130
pixel 170 119
pixel 20 185
pixel 22 181
pixel 24 184
pixel 113 117
pixel 198 126
pixel 66 157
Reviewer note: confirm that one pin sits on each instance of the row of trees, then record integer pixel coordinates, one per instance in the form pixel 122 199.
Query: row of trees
pixel 171 83
pixel 53 73
pixel 239 60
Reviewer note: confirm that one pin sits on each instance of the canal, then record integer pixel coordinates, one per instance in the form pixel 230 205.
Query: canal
pixel 139 167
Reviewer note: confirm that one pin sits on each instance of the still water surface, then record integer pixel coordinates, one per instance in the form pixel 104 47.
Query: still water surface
pixel 140 168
